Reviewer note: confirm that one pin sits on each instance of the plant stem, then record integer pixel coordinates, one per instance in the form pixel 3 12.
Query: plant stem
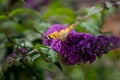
pixel 79 18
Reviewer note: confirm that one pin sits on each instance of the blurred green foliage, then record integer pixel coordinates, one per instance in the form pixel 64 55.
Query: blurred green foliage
pixel 21 23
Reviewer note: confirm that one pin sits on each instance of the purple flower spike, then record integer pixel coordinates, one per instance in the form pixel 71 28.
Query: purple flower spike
pixel 23 51
pixel 81 47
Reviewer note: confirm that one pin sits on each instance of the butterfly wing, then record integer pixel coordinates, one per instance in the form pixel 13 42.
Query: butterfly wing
pixel 54 35
pixel 62 34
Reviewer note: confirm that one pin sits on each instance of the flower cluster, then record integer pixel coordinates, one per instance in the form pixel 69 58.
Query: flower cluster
pixel 20 52
pixel 14 58
pixel 80 47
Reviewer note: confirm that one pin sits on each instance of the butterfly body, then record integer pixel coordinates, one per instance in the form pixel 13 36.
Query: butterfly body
pixel 62 34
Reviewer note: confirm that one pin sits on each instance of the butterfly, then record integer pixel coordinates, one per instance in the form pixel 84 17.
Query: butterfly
pixel 62 34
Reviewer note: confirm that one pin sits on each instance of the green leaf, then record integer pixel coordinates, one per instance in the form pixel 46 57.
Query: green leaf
pixel 19 27
pixel 52 55
pixel 63 14
pixel 23 10
pixel 93 10
pixel 47 53
pixel 93 21
pixel 3 17
pixel 37 46
pixel 91 27
pixel 60 11
pixel 41 26
pixel 3 0
pixel 35 57
pixel 56 4
pixel 58 65
pixel 79 28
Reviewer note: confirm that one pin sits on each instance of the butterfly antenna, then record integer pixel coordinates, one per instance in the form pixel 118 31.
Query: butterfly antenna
pixel 73 25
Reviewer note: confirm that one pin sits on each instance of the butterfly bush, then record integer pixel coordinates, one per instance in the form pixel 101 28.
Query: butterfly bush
pixel 80 47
